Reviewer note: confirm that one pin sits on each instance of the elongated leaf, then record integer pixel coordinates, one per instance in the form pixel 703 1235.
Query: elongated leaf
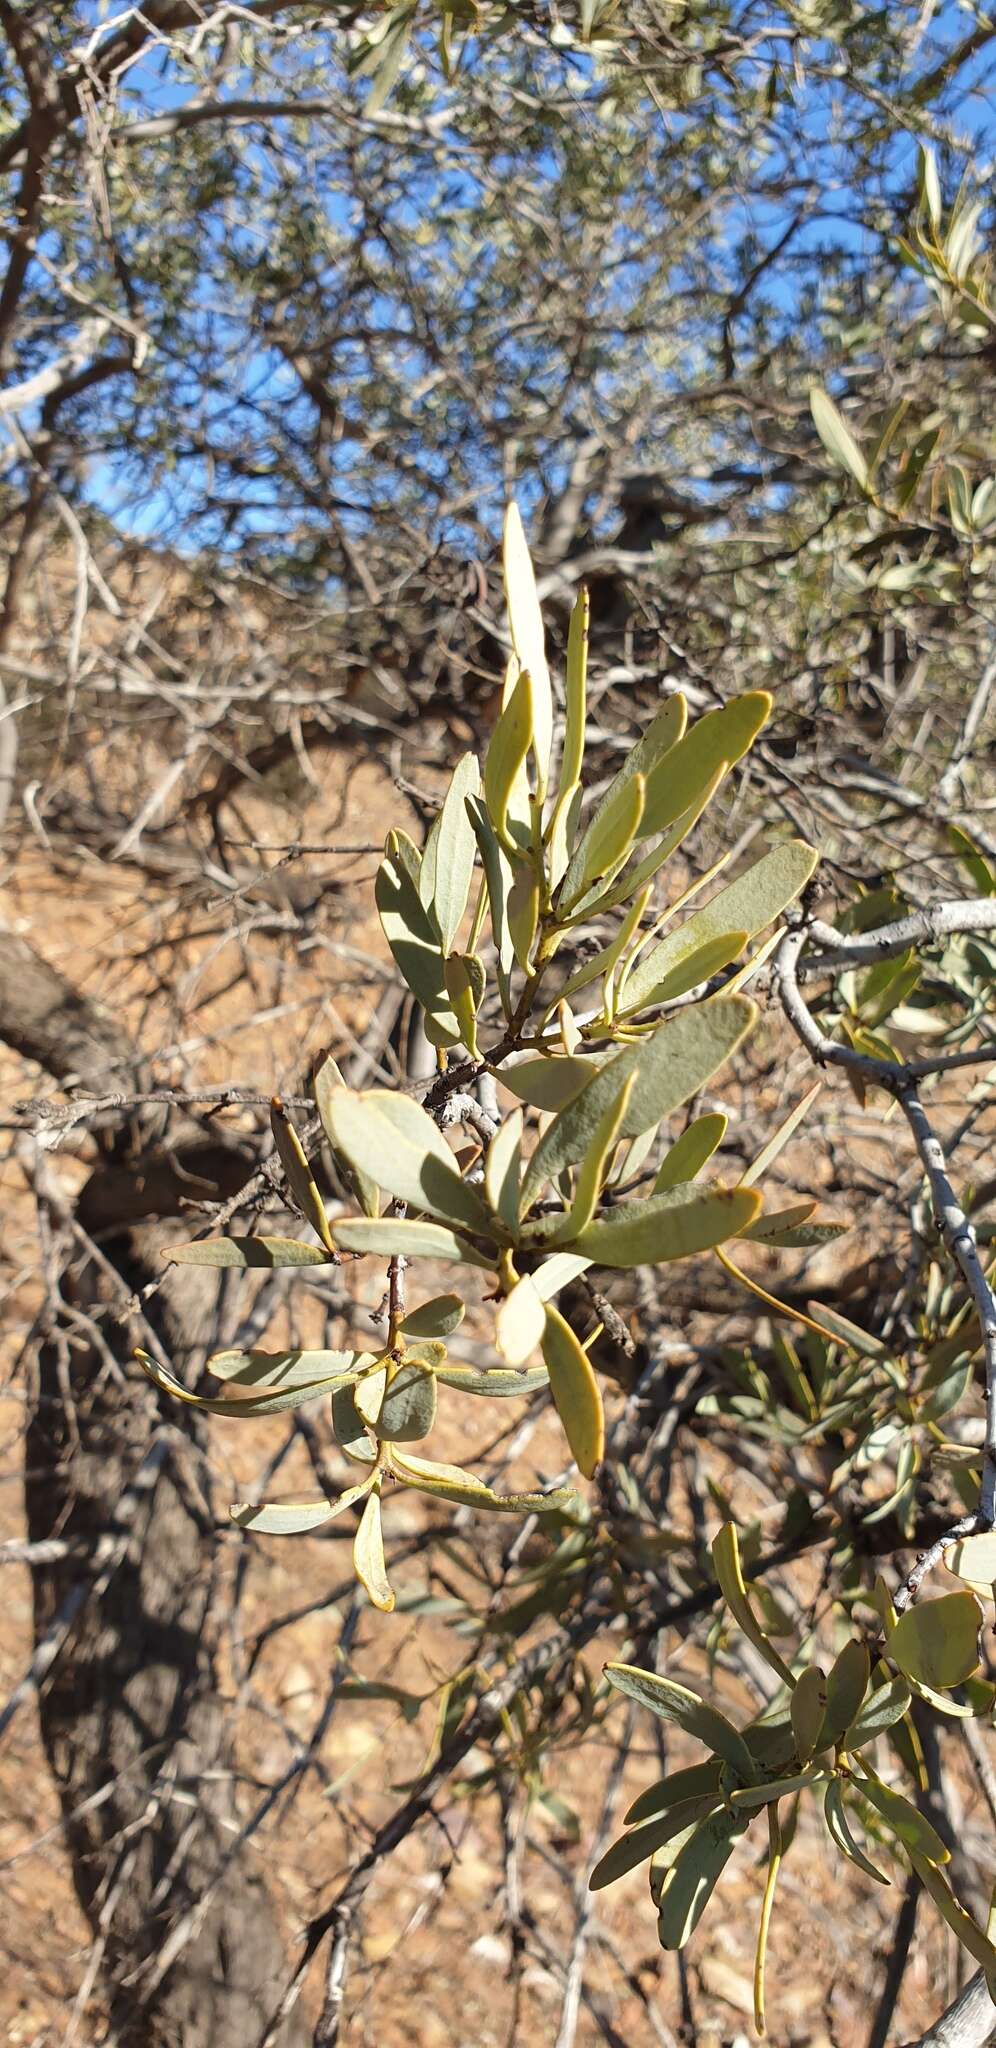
pixel 506 754
pixel 558 1272
pixel 714 742
pixel 594 1167
pixel 748 904
pixel 394 1140
pixel 286 1368
pixel 937 1642
pixel 961 1923
pixel 450 1482
pixel 575 681
pixel 503 1168
pixel 840 1833
pixel 779 1138
pixel 493 1382
pixel 602 963
pixel 465 986
pixel 350 1430
pixel 881 1710
pixel 455 850
pixel 245 1251
pixel 436 1318
pixel 522 911
pixel 847 1685
pixel 678 1704
pixel 677 1059
pixel 764 1228
pixel 597 901
pixel 575 1392
pixel 408 1409
pixel 498 877
pixel 294 1160
pixel 520 1322
pixel 368 1395
pixel 640 1843
pixel 525 622
pixel 412 1238
pixel 237 1411
pixel 808 1710
pixel 695 1875
pixel 325 1080
pixel 414 940
pixel 729 1572
pixel 750 1797
pixel 295 1518
pixel 837 438
pixel 691 1152
pixel 906 1821
pixel 706 960
pixel 606 843
pixel 678 1785
pixel 368 1557
pixel 802 1236
pixel 549 1083
pixel 670 1226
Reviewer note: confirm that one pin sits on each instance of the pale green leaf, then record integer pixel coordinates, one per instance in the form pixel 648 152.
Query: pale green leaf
pixel 847 1684
pixel 594 1167
pixel 748 904
pixel 575 1392
pixel 408 1409
pixel 691 1151
pixel 520 1322
pixel 641 1842
pixel 238 1411
pixel 729 1572
pixel 937 1642
pixel 558 1272
pixel 285 1368
pixel 686 1784
pixel 779 1139
pixel 325 1080
pixel 455 850
pixel 411 1238
pixel 970 1937
pixel 436 1318
pixel 572 756
pixel 840 1833
pixel 837 438
pixel 368 1557
pixel 881 1710
pixel 808 1711
pixel 523 910
pixel 414 940
pixel 294 1160
pixel 506 755
pixel 492 1382
pixel 677 1703
pixel 698 966
pixel 906 1822
pixel 502 1170
pixel 525 622
pixel 246 1251
pixel 694 1876
pixel 685 1219
pixel 711 746
pixel 606 843
pixel 498 876
pixel 450 1482
pixel 394 1139
pixel 290 1518
pixel 549 1083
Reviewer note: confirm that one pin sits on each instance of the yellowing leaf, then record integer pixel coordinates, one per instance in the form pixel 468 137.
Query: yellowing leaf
pixel 294 1160
pixel 691 1151
pixel 594 1167
pixel 974 1560
pixel 754 900
pixel 575 677
pixel 294 1518
pixel 936 1643
pixel 711 746
pixel 450 1482
pixel 454 851
pixel 837 438
pixel 605 844
pixel 575 1392
pixel 520 1322
pixel 368 1557
pixel 726 1560
pixel 413 938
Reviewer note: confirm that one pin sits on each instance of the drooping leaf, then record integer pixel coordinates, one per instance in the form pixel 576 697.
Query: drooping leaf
pixel 640 1843
pixel 325 1080
pixel 837 438
pixel 294 1518
pixel 413 938
pixel 506 755
pixel 525 622
pixel 715 742
pixel 238 1411
pixel 368 1557
pixel 767 1226
pixel 520 1322
pixel 450 1482
pixel 961 1923
pixel 847 1684
pixel 779 1139
pixel 677 1703
pixel 808 1711
pixel 493 1382
pixel 436 1318
pixel 394 1140
pixel 691 1152
pixel 503 1168
pixel 754 900
pixel 684 1220
pixel 729 1572
pixel 412 1238
pixel 937 1642
pixel 294 1160
pixel 606 842
pixel 881 1710
pixel 575 1392
pixel 285 1368
pixel 677 1059
pixel 246 1251
pixel 840 1833
pixel 686 1784
pixel 695 1875
pixel 906 1821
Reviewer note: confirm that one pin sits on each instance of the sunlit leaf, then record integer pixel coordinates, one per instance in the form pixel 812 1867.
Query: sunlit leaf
pixel 754 900
pixel 837 438
pixel 273 1518
pixel 525 622
pixel 436 1318
pixel 729 1572
pixel 414 940
pixel 368 1557
pixel 606 842
pixel 245 1251
pixel 395 1140
pixel 677 1703
pixel 937 1641
pixel 522 911
pixel 492 1382
pixel 881 1710
pixel 572 752
pixel 575 1392
pixel 974 1559
pixel 408 1409
pixel 503 1168
pixel 520 1322
pixel 506 754
pixel 285 1368
pixel 706 960
pixel 594 1167
pixel 325 1080
pixel 549 1083
pixel 691 1151
pixel 412 1238
pixel 685 1219
pixel 450 1482
pixel 238 1411
pixel 454 851
pixel 713 743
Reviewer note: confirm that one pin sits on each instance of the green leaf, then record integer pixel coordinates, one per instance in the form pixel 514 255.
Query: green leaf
pixel 414 940
pixel 691 1151
pixel 754 900
pixel 493 1382
pixel 294 1160
pixel 777 1220
pixel 525 622
pixel 803 1237
pixel 663 733
pixel 325 1080
pixel 465 987
pixel 664 1227
pixel 748 1798
pixel 634 878
pixel 686 1784
pixel 412 1239
pixel 937 1643
pixel 506 756
pixel 847 1685
pixel 286 1368
pixel 523 910
pixel 961 1923
pixel 677 1703
pixel 450 1482
pixel 575 679
pixel 237 1411
pixel 881 1710
pixel 975 1559
pixel 603 962
pixel 976 866
pixel 640 1843
pixel 808 1711
pixel 520 1322
pixel 840 1833
pixel 547 1082
pixel 906 1822
pixel 678 1058
pixel 436 1318
pixel 710 747
pixel 694 1876
pixel 558 1272
pixel 349 1429
pixel 394 1139
pixel 408 1410
pixel 245 1251
pixel 605 844
pixel 837 438
pixel 498 876
pixel 707 960
pixel 594 1167
pixel 368 1557
pixel 502 1170
pixel 729 1572
pixel 294 1518
pixel 455 851
pixel 575 1392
